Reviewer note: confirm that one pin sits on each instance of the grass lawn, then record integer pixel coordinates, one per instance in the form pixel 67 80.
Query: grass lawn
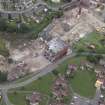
pixel 44 84
pixel 93 38
pixel 83 83
pixel 20 99
pixel 2 102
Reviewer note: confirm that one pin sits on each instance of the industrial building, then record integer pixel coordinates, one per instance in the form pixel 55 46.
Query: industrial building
pixel 55 49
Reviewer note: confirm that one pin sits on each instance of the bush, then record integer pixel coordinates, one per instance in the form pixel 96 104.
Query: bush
pixel 55 72
pixel 94 59
pixel 24 28
pixel 3 24
pixel 3 50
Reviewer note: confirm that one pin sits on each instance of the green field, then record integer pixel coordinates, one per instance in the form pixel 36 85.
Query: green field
pixel 42 85
pixel 93 38
pixel 19 98
pixel 83 83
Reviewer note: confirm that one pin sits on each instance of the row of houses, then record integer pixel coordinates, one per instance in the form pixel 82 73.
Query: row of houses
pixel 23 5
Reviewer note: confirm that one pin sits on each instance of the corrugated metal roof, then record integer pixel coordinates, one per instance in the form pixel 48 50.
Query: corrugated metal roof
pixel 56 45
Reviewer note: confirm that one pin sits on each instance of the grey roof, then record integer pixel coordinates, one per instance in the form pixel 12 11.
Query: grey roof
pixel 56 45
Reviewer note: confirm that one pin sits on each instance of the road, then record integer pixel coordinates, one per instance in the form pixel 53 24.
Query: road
pixel 79 100
pixel 5 97
pixel 96 98
pixel 42 72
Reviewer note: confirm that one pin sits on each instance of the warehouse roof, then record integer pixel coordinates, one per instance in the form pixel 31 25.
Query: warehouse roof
pixel 56 45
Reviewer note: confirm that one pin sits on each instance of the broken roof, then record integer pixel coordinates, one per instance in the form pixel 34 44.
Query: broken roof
pixel 56 45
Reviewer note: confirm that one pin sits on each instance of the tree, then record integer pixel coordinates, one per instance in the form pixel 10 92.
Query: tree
pixel 15 92
pixel 67 0
pixel 24 28
pixel 55 72
pixel 3 76
pixel 94 59
pixel 3 24
pixel 11 27
pixel 9 16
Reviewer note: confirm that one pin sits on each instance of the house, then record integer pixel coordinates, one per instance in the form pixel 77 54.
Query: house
pixel 98 83
pixel 55 49
pixel 23 4
pixel 102 62
pixel 100 72
pixel 34 99
pixel 60 88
